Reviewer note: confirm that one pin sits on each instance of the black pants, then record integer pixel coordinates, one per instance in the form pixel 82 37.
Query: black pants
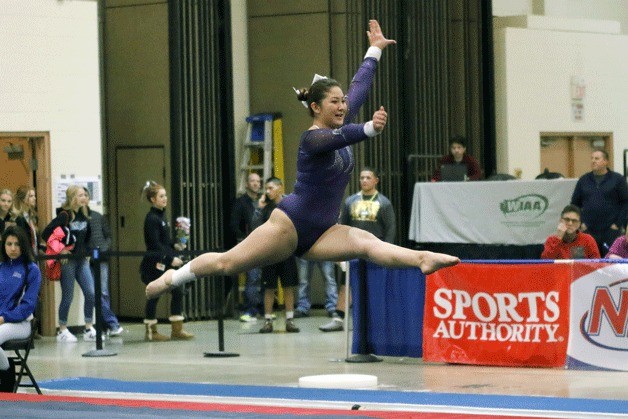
pixel 604 239
pixel 176 302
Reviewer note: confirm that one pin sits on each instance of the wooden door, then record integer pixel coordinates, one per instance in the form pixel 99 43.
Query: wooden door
pixel 556 155
pixel 134 166
pixel 31 167
pixel 570 153
pixel 581 150
pixel 15 167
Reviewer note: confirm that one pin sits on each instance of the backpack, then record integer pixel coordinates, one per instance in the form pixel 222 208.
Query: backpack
pixel 60 239
pixel 61 220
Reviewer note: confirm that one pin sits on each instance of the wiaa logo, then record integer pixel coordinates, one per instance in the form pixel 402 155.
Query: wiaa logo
pixel 606 323
pixel 528 206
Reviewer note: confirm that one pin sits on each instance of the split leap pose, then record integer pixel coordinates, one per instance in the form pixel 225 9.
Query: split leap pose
pixel 305 222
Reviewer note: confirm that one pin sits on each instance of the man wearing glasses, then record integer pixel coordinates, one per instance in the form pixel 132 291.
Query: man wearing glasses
pixel 568 242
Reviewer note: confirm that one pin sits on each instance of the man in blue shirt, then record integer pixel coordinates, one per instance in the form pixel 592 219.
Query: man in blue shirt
pixel 602 196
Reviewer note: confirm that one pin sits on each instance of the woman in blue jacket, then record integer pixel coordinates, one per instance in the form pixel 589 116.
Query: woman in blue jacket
pixel 20 280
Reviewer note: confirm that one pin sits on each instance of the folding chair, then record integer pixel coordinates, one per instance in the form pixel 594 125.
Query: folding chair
pixel 22 348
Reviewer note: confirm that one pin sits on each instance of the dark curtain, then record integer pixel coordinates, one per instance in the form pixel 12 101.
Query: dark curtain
pixel 435 83
pixel 202 132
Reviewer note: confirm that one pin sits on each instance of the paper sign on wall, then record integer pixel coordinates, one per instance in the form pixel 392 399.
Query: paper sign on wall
pixel 578 90
pixel 92 183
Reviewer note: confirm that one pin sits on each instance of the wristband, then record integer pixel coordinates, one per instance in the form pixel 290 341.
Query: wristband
pixel 373 52
pixel 369 130
pixel 182 275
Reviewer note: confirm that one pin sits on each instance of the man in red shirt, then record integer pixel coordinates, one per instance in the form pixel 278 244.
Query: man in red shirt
pixel 458 156
pixel 569 242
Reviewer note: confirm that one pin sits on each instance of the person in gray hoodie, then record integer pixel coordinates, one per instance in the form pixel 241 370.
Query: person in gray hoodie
pixel 100 237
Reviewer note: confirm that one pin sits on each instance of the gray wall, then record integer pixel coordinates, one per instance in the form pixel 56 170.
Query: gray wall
pixel 136 72
pixel 288 43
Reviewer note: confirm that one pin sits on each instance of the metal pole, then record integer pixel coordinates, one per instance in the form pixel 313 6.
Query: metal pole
pixel 362 355
pixel 347 309
pixel 99 351
pixel 221 327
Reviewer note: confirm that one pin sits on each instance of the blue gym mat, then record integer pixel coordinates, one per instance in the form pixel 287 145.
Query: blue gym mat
pixel 471 401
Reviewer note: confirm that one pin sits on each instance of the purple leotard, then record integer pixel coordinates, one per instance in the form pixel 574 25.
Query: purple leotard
pixel 324 166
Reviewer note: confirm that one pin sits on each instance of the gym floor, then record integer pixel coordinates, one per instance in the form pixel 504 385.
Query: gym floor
pixel 280 359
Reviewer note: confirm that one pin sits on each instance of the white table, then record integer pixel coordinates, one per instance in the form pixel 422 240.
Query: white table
pixel 488 212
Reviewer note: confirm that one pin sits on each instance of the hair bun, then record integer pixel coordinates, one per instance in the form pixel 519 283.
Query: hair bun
pixel 302 94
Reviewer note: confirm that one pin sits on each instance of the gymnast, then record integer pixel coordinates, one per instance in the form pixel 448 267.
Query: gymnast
pixel 305 222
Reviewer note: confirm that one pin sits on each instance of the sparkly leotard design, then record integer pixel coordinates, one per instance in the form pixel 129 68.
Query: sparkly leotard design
pixel 324 166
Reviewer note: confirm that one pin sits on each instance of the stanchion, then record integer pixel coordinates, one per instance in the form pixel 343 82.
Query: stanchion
pixel 361 312
pixel 345 321
pixel 99 351
pixel 221 327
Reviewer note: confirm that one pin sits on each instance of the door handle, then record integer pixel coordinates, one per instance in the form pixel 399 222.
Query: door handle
pixel 122 221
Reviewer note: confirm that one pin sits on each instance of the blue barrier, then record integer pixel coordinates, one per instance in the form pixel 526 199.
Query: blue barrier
pixel 394 312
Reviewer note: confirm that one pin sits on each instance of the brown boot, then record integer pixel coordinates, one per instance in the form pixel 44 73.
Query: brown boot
pixel 152 335
pixel 177 329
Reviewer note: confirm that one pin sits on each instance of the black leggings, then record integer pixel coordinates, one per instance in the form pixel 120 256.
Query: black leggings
pixel 604 239
pixel 176 303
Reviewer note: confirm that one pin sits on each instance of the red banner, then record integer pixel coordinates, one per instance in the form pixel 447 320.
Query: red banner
pixel 498 314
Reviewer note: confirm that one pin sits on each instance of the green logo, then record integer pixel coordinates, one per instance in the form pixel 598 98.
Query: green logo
pixel 528 206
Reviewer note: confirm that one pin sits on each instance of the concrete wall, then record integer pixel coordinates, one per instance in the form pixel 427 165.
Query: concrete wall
pixel 289 42
pixel 137 75
pixel 49 82
pixel 586 9
pixel 241 88
pixel 137 79
pixel 511 7
pixel 533 75
pixel 49 79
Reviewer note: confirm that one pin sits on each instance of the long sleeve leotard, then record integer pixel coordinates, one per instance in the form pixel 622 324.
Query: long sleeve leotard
pixel 324 166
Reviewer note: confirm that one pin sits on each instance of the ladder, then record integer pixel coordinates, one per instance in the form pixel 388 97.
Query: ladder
pixel 262 148
pixel 262 152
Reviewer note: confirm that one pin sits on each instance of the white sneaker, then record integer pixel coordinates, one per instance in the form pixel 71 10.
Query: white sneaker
pixel 247 318
pixel 116 332
pixel 89 335
pixel 65 336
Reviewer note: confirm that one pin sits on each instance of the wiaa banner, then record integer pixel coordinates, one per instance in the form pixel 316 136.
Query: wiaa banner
pixel 498 314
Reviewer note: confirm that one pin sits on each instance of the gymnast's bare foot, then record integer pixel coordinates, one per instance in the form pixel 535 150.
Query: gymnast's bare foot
pixel 431 262
pixel 160 285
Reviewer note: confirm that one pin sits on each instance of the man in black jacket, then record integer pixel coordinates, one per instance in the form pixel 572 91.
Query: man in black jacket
pixel 286 270
pixel 241 215
pixel 602 195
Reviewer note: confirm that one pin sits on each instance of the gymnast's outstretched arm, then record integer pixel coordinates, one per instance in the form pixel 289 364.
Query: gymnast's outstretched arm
pixel 363 78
